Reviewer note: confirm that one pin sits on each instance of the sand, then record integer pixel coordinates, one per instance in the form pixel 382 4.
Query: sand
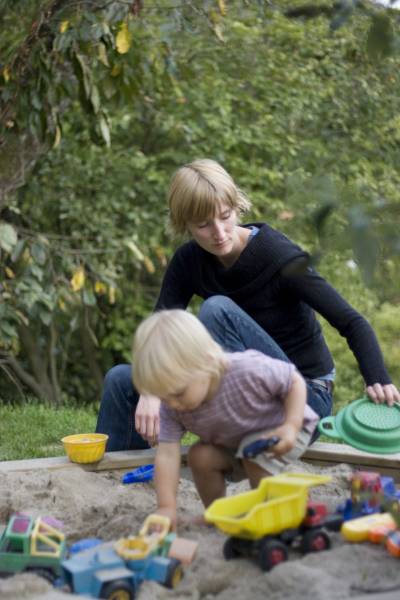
pixel 98 505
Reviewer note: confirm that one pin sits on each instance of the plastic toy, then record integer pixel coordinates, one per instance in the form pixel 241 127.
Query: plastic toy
pixel 29 544
pixel 261 445
pixel 115 570
pixel 360 529
pixel 264 522
pixel 369 493
pixel 392 543
pixel 84 544
pixel 379 529
pixel 366 426
pixel 85 447
pixel 139 475
pixel 183 550
pixel 389 535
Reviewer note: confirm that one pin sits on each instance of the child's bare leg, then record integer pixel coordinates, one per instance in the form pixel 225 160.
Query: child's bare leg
pixel 254 472
pixel 208 464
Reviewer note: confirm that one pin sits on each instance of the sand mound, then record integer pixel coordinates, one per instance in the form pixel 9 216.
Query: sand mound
pixel 98 505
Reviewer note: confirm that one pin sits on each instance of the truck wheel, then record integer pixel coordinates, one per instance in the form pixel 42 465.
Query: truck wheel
pixel 174 573
pixel 47 574
pixel 230 549
pixel 118 590
pixel 271 553
pixel 315 541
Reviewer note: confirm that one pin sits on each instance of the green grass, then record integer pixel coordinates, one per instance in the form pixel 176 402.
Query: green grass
pixel 34 430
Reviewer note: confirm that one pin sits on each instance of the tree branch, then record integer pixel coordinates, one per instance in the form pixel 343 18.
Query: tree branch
pixel 10 375
pixel 53 365
pixel 24 376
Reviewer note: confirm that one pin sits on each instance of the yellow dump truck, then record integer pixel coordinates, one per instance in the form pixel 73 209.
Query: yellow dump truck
pixel 265 521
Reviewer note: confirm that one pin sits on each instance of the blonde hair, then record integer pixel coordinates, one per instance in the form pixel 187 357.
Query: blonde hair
pixel 169 348
pixel 197 190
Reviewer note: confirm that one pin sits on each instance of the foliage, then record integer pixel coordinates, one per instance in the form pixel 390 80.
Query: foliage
pixel 302 109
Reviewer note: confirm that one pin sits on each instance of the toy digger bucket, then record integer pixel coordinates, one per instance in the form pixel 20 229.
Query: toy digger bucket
pixel 140 546
pixel 156 526
pixel 278 503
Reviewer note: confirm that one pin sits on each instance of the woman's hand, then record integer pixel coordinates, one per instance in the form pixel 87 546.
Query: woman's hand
pixel 147 418
pixel 383 393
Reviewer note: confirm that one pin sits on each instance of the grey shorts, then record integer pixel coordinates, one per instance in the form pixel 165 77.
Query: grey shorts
pixel 266 460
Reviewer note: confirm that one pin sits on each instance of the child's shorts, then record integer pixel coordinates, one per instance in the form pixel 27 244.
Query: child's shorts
pixel 266 460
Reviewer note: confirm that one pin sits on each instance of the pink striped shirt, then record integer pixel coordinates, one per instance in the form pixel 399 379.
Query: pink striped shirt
pixel 249 399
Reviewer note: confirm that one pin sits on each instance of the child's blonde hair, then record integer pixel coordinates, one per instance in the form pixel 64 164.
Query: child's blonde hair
pixel 197 190
pixel 169 348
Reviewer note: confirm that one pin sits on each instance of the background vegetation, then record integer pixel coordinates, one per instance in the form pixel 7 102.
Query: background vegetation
pixel 102 101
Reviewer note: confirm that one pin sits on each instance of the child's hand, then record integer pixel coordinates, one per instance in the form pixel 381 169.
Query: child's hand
pixel 287 434
pixel 170 513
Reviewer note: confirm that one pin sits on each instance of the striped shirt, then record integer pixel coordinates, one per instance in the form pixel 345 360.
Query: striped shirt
pixel 249 399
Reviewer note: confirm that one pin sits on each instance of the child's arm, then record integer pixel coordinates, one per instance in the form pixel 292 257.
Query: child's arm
pixel 294 403
pixel 167 466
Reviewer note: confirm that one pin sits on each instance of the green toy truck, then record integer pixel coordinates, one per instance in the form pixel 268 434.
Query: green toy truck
pixel 29 544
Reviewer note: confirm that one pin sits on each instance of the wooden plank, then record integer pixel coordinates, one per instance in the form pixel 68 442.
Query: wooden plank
pixel 383 595
pixel 326 454
pixel 323 454
pixel 111 460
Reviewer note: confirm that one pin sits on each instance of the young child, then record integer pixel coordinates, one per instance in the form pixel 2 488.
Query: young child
pixel 228 399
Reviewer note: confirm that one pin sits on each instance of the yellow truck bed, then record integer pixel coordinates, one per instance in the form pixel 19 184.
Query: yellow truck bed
pixel 277 504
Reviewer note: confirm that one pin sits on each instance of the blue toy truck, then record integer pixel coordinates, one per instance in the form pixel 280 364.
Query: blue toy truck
pixel 115 570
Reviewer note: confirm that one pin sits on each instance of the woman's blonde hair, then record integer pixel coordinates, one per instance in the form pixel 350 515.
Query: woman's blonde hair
pixel 197 190
pixel 171 346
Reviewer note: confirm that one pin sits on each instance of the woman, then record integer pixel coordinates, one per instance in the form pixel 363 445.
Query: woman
pixel 259 292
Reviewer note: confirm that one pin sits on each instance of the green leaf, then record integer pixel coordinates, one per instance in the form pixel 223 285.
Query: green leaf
pixel 89 298
pixel 105 130
pixel 45 316
pixel 37 271
pixel 8 236
pixel 38 253
pixel 17 251
pixel 8 328
pixel 95 99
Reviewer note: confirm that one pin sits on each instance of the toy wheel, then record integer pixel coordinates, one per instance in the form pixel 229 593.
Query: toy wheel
pixel 174 573
pixel 47 574
pixel 271 553
pixel 230 549
pixel 315 541
pixel 118 590
pixel 393 543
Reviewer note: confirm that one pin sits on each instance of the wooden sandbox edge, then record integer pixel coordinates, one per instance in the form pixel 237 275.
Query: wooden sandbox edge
pixel 320 453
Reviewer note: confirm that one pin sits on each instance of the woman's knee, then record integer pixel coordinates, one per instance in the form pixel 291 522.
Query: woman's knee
pixel 120 375
pixel 214 307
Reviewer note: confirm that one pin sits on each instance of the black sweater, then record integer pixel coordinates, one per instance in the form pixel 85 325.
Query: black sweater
pixel 272 282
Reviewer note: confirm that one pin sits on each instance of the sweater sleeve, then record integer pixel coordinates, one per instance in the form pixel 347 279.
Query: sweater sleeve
pixel 176 288
pixel 315 291
pixel 171 430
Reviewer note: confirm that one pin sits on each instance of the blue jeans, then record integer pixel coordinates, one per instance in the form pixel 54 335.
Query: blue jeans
pixel 231 327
